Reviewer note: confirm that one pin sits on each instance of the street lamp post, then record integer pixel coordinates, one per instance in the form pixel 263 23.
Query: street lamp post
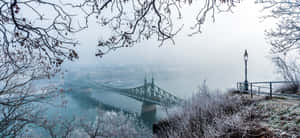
pixel 246 60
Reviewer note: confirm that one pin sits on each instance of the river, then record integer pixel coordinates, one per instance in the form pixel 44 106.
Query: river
pixel 84 93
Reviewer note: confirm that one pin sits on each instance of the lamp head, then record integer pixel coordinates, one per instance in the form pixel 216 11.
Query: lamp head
pixel 246 55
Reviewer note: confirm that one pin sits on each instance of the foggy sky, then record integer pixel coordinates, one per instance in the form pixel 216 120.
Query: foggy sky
pixel 216 55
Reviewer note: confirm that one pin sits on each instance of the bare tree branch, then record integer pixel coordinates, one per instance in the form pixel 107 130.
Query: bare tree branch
pixel 285 37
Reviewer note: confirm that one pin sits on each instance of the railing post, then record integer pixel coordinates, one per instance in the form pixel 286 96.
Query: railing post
pixel 241 87
pixel 258 90
pixel 251 90
pixel 271 90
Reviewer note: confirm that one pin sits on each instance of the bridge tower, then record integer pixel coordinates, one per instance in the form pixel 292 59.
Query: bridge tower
pixel 145 80
pixel 145 86
pixel 152 86
pixel 149 109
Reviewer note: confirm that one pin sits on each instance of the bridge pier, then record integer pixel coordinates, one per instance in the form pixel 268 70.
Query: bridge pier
pixel 148 112
pixel 148 108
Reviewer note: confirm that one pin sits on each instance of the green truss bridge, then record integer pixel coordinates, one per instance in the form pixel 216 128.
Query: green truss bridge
pixel 150 93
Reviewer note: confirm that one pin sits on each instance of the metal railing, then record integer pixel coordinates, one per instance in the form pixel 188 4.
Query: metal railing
pixel 261 87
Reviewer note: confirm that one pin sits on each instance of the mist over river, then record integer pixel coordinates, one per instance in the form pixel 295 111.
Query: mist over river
pixel 84 92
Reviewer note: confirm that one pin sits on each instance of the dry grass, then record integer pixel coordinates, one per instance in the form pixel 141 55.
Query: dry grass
pixel 282 116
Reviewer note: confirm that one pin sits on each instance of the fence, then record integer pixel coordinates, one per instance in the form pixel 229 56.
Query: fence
pixel 264 87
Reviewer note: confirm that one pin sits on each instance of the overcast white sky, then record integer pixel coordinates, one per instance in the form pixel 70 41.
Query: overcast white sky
pixel 217 53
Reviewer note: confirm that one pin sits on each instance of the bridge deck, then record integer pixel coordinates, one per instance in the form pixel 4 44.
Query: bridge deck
pixel 149 93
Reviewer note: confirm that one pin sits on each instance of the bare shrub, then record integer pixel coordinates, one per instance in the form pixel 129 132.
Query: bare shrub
pixel 112 124
pixel 233 91
pixel 290 71
pixel 206 114
pixel 289 89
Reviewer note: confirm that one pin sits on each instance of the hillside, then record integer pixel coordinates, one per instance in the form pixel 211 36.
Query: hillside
pixel 234 116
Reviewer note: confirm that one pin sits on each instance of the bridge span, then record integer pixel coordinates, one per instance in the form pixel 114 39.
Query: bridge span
pixel 149 93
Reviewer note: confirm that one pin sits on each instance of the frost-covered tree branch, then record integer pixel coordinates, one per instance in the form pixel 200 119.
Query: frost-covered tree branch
pixel 137 20
pixel 112 124
pixel 286 35
pixel 289 69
